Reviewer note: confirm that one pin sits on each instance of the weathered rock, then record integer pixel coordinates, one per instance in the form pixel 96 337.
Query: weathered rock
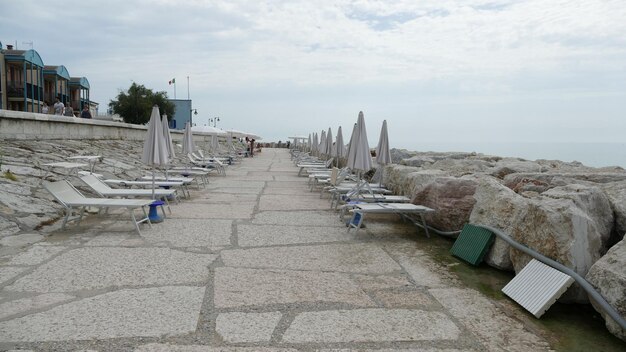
pixel 580 220
pixel 417 161
pixel 398 154
pixel 508 166
pixel 608 275
pixel 460 167
pixel 616 192
pixel 451 197
pixel 406 180
pixel 499 207
pixel 570 224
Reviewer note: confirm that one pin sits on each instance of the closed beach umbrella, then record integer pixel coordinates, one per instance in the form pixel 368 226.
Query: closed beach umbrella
pixel 360 159
pixel 351 146
pixel 340 148
pixel 383 154
pixel 315 144
pixel 168 137
pixel 329 142
pixel 322 146
pixel 154 149
pixel 215 144
pixel 188 146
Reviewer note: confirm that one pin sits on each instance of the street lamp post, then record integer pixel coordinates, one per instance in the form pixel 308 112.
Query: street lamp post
pixel 214 121
pixel 195 112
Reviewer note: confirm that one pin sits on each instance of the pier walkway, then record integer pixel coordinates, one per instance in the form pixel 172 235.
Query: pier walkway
pixel 253 262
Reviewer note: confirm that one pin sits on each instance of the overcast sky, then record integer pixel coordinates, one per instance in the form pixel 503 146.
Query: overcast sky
pixel 437 70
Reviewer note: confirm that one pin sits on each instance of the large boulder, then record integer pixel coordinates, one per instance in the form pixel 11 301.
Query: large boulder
pixel 608 276
pixel 417 161
pixel 616 192
pixel 398 154
pixel 405 180
pixel 506 166
pixel 451 197
pixel 498 206
pixel 460 167
pixel 570 224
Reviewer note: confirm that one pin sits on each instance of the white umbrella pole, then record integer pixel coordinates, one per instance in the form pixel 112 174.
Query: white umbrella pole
pixel 153 182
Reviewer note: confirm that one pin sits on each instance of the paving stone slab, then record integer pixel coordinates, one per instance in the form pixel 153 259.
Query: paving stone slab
pixel 216 197
pixel 381 282
pixel 226 182
pixel 191 232
pixel 370 325
pixel 293 191
pixel 269 235
pixel 406 299
pixel 110 239
pixel 494 329
pixel 236 287
pixel 285 202
pixel 247 327
pixel 357 258
pixel 32 303
pixel 233 190
pixel 101 267
pixel 420 266
pixel 145 312
pixel 425 349
pixel 212 211
pixel 297 218
pixel 20 240
pixel 155 347
pixel 35 255
pixel 9 272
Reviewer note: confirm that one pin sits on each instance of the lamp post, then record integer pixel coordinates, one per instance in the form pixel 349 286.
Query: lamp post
pixel 214 121
pixel 195 112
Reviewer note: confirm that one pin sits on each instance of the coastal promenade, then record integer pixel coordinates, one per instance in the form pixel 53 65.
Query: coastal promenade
pixel 253 262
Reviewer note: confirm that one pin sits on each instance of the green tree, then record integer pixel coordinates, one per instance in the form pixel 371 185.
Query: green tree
pixel 135 104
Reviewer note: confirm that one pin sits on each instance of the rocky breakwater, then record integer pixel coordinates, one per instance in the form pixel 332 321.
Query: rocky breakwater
pixel 569 212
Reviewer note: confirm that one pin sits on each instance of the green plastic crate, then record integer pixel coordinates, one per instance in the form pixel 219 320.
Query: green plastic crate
pixel 472 244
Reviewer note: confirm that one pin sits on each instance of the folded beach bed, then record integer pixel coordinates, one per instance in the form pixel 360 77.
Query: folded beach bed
pixel 68 196
pixel 412 212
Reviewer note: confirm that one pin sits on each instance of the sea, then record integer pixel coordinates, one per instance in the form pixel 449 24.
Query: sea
pixel 590 154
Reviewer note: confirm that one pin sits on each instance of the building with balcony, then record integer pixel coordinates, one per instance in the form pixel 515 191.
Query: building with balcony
pixel 26 83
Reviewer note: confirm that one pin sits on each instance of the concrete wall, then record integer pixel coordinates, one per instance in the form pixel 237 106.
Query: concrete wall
pixel 35 126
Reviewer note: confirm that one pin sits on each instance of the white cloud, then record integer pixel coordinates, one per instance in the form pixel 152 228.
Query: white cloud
pixel 325 60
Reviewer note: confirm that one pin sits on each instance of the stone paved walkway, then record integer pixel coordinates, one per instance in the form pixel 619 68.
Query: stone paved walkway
pixel 254 262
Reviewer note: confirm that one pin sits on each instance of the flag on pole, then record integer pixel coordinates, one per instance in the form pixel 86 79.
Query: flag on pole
pixel 172 81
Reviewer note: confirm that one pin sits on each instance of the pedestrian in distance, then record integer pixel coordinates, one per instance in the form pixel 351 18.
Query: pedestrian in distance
pixel 45 108
pixel 85 114
pixel 58 107
pixel 68 110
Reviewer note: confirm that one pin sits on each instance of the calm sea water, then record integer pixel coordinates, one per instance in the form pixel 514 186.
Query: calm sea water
pixel 590 154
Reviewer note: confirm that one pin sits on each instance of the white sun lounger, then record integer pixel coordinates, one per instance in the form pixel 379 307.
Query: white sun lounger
pixel 105 191
pixel 406 210
pixel 143 183
pixel 71 198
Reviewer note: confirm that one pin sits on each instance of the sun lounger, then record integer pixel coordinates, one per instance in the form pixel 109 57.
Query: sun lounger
pixel 314 166
pixel 105 191
pixel 406 210
pixel 144 183
pixel 71 198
